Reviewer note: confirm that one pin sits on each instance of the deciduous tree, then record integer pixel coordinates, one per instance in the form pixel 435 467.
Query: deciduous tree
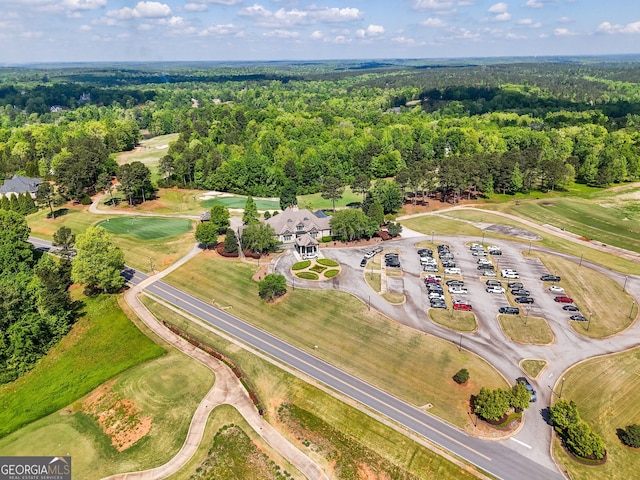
pixel 332 189
pixel 206 234
pixel 272 286
pixel 98 262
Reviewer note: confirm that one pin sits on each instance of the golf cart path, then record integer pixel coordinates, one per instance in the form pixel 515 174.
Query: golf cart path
pixel 227 389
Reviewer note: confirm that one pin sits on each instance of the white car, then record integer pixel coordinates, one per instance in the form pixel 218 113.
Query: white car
pixel 495 289
pixel 457 290
pixel 452 271
pixel 436 295
pixel 369 255
pixel 483 261
pixel 556 289
pixel 511 275
pixel 489 273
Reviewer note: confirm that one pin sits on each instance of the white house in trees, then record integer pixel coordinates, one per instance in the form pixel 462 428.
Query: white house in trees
pixel 301 227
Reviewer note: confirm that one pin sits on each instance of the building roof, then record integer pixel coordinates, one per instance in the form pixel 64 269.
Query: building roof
pixel 19 184
pixel 205 216
pixel 287 222
pixel 306 240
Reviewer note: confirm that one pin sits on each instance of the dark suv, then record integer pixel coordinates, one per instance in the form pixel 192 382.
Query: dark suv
pixel 523 300
pixel 550 278
pixel 510 310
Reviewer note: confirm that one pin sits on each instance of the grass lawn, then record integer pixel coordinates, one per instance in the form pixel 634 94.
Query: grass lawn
pixel 394 297
pixel 168 201
pixel 440 226
pixel 77 218
pixel 147 228
pixel 606 391
pixel 314 201
pixel 594 293
pixel 536 331
pixel 239 201
pixel 611 225
pixel 374 280
pixel 101 344
pixel 370 439
pixel 532 367
pixel 347 334
pixel 167 389
pixel 458 320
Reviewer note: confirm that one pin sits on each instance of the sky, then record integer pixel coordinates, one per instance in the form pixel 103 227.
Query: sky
pixel 223 30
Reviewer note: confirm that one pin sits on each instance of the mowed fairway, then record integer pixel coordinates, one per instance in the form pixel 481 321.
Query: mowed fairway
pixel 411 365
pixel 238 201
pixel 147 228
pixel 149 152
pixel 606 391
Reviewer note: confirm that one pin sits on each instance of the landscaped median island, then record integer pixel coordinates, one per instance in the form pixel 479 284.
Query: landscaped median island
pixel 379 278
pixel 458 320
pixel 316 269
pixel 526 329
pixel 532 367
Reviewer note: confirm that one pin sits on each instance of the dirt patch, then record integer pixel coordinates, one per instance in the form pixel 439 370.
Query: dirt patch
pixel 118 417
pixel 261 273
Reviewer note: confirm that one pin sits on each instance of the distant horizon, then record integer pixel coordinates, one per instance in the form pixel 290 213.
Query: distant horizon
pixel 81 31
pixel 396 61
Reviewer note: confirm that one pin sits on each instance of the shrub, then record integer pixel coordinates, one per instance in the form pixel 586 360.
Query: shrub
pixel 267 215
pixel 327 262
pixel 274 285
pixel 307 275
pixel 331 273
pixel 492 404
pixel 630 436
pixel 86 200
pixel 462 376
pixel 318 268
pixel 326 239
pixel 584 442
pixel 394 229
pixel 301 265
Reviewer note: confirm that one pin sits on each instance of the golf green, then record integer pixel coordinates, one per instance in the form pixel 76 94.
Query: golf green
pixel 147 228
pixel 239 202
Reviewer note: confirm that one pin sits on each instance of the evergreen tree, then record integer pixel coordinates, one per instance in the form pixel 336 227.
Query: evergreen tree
pixel 14 204
pixel 22 203
pixel 30 204
pixel 376 212
pixel 219 217
pixel 230 242
pixel 516 181
pixel 250 214
pixel 4 203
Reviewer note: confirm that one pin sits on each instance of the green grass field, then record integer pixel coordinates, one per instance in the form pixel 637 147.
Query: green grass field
pixel 149 152
pixel 101 344
pixel 363 342
pixel 77 219
pixel 440 226
pixel 239 201
pixel 147 228
pixel 370 438
pixel 606 391
pixel 536 331
pixel 314 201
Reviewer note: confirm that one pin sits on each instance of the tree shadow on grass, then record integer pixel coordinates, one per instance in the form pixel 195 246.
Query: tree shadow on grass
pixel 61 212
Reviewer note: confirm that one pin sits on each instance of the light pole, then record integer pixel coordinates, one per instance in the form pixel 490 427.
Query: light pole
pixel 530 246
pixel 589 324
pixel 151 264
pixel 482 243
pixel 294 281
pixel 369 302
pixel 633 304
pixel 528 308
pixel 581 257
pixel 624 287
pixel 561 387
pixel 432 232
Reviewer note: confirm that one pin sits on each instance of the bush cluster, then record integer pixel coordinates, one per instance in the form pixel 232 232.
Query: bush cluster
pixel 576 434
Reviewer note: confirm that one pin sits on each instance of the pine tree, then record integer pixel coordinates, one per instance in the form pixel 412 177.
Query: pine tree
pixel 4 203
pixel 31 205
pixel 14 204
pixel 250 214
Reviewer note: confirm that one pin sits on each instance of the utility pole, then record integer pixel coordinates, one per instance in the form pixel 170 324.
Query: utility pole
pixel 151 264
pixel 589 324
pixel 561 387
pixel 624 287
pixel 581 257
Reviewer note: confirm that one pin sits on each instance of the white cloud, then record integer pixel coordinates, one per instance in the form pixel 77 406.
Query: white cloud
pixel 225 2
pixel 313 15
pixel 221 30
pixel 565 20
pixel 84 28
pixel 341 39
pixel 407 42
pixel 563 32
pixel 282 34
pixel 432 4
pixel 84 4
pixel 433 22
pixel 629 28
pixel 539 3
pixel 31 34
pixel 142 10
pixel 525 21
pixel 317 35
pixel 498 8
pixel 195 7
pixel 503 17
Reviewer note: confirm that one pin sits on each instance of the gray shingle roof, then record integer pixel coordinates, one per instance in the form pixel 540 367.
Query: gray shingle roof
pixel 287 222
pixel 20 184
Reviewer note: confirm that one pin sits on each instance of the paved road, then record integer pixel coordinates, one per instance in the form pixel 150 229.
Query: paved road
pixel 492 457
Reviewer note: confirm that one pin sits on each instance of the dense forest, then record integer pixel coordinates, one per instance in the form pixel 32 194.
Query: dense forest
pixel 262 129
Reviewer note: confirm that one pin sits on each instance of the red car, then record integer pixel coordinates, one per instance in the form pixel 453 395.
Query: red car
pixel 462 306
pixel 563 299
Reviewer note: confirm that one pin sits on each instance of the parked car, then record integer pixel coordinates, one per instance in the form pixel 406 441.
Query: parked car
pixel 515 285
pixel 511 275
pixel 526 383
pixel 520 292
pixel 486 267
pixel 510 310
pixel 450 283
pixel 489 273
pixel 479 253
pixel 448 264
pixel 476 246
pixel 563 299
pixel 363 263
pixel 438 304
pixel 578 318
pixel 429 268
pixel 436 295
pixel 425 252
pixel 457 290
pixel 494 283
pixel 452 271
pixel 556 289
pixel 369 254
pixel 494 289
pixel 550 278
pixel 494 250
pixel 523 300
pixel 436 277
pixel 570 308
pixel 462 306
